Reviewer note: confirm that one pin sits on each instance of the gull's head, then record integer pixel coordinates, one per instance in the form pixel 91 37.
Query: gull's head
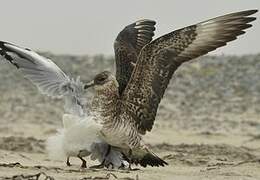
pixel 103 81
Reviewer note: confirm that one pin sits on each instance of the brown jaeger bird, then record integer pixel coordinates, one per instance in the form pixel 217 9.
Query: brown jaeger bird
pixel 127 103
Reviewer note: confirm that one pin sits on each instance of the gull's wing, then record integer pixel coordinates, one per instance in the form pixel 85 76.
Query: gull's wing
pixel 45 74
pixel 128 45
pixel 159 60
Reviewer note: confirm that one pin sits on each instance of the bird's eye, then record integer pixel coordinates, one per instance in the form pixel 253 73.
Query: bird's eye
pixel 101 79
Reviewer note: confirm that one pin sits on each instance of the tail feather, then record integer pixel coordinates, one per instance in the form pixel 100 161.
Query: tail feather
pixel 145 157
pixel 152 160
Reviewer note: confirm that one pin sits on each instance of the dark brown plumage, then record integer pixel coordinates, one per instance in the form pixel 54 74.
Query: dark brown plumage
pixel 128 45
pixel 160 58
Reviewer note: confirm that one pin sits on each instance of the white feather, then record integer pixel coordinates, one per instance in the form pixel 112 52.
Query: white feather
pixel 49 78
pixel 78 134
pixel 82 134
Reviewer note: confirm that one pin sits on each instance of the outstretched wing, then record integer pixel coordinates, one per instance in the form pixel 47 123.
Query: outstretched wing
pixel 128 45
pixel 45 74
pixel 159 59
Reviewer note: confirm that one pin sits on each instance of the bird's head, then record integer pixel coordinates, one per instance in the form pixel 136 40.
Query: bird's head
pixel 103 82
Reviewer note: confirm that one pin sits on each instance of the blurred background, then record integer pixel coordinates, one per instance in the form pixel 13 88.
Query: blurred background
pixel 209 117
pixel 79 36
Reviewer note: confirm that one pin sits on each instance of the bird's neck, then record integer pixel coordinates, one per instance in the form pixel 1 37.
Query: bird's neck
pixel 105 101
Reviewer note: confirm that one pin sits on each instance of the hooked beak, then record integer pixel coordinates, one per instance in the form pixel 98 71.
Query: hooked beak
pixel 89 84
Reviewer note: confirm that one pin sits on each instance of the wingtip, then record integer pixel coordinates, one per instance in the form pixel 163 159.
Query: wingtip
pixel 150 159
pixel 2 44
pixel 254 11
pixel 152 22
pixel 249 12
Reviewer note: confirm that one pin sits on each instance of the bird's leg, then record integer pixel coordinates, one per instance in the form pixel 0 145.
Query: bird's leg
pixel 131 161
pixel 130 166
pixel 102 165
pixel 84 162
pixel 68 161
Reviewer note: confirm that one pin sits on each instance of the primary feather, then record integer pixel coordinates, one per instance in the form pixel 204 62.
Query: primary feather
pixel 159 59
pixel 47 76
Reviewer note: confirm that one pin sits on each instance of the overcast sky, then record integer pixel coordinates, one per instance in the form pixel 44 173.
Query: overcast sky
pixel 90 27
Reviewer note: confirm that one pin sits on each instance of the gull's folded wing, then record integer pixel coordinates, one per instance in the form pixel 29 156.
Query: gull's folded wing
pixel 44 73
pixel 159 60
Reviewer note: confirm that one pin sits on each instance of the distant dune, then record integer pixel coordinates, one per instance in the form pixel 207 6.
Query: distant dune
pixel 205 90
pixel 207 127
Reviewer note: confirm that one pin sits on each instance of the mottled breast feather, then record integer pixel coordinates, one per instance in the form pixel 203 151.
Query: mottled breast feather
pixel 160 58
pixel 128 45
